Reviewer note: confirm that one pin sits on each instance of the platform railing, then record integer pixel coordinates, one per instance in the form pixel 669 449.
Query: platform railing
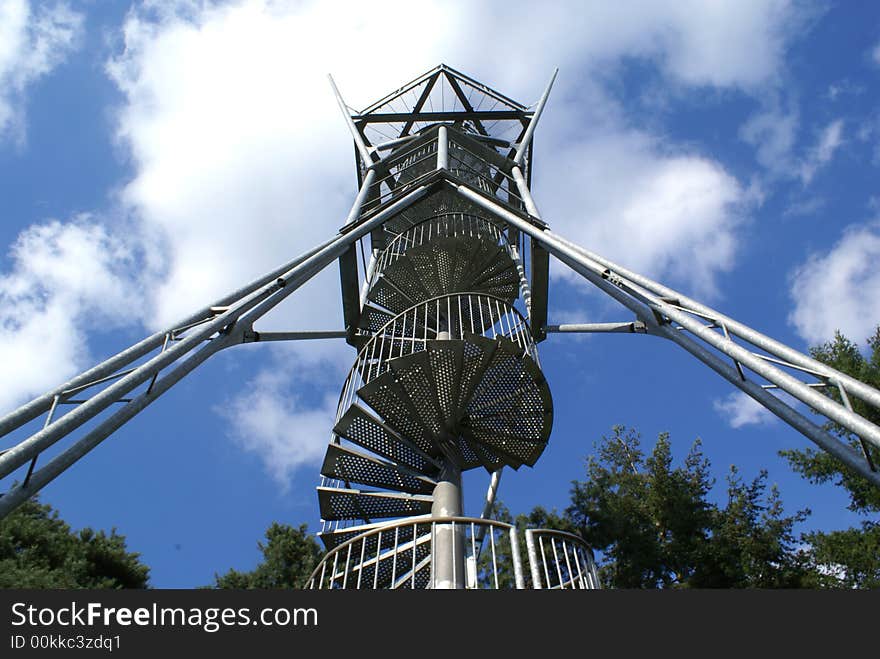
pixel 401 555
pixel 443 225
pixel 560 561
pixel 453 316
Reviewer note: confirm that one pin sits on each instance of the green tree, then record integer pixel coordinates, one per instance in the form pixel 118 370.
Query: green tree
pixel 751 543
pixel 39 550
pixel 851 557
pixel 657 529
pixel 538 518
pixel 289 556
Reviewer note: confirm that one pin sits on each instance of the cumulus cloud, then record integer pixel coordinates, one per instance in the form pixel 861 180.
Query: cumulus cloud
pixel 241 160
pixel 32 43
pixel 740 410
pixel 273 420
pixel 839 289
pixel 774 134
pixel 822 153
pixel 619 194
pixel 65 279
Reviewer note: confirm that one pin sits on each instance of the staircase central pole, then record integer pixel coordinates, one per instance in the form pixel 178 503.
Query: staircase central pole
pixel 448 538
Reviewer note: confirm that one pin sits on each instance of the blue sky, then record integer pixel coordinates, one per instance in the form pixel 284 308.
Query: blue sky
pixel 154 156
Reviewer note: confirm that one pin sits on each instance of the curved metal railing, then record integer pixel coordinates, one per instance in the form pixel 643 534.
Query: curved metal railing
pixel 452 316
pixel 560 560
pixel 402 555
pixel 443 225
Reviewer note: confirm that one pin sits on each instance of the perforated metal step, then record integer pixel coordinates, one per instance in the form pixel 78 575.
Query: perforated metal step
pixel 359 426
pixel 333 539
pixel 351 466
pixel 390 401
pixel 339 503
pixel 446 265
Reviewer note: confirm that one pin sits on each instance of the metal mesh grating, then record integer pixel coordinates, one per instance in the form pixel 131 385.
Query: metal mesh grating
pixel 360 427
pixel 413 374
pixel 353 504
pixel 476 353
pixel 446 359
pixel 351 466
pixel 385 396
pixel 525 452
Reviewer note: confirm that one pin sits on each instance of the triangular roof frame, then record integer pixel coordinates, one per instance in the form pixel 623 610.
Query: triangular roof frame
pixel 470 94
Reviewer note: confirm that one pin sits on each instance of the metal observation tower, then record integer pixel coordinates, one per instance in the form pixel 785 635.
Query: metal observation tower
pixel 445 308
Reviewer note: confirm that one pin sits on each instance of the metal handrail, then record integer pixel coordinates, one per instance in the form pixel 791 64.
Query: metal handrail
pixel 448 224
pixel 408 333
pixel 347 565
pixel 575 569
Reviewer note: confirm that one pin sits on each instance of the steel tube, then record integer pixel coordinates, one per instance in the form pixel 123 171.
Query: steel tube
pixel 442 148
pixel 258 303
pixel 759 340
pixel 634 297
pixel 530 130
pixel 624 327
pixel 259 337
pixel 449 548
pixel 58 464
pixel 358 138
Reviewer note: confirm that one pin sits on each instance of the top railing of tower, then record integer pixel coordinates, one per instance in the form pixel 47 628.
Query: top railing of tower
pixel 442 95
pixel 469 160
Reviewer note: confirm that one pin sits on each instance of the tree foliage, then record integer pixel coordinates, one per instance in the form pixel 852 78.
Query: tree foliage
pixel 289 556
pixel 657 528
pixel 39 550
pixel 848 558
pixel 820 467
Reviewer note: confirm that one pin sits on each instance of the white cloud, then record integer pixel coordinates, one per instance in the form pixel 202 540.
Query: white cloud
pixel 875 54
pixel 65 280
pixel 620 194
pixel 32 43
pixel 773 132
pixel 241 160
pixel 839 289
pixel 740 410
pixel 821 154
pixel 273 421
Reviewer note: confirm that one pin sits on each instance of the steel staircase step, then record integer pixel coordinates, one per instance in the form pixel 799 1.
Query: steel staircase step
pixel 477 352
pixel 409 281
pixel 341 503
pixel 528 426
pixel 362 428
pixel 333 539
pixel 483 256
pixel 495 452
pixel 392 403
pixel 414 375
pixel 386 293
pixel 373 318
pixel 488 458
pixel 425 268
pixel 520 449
pixel 351 466
pixel 446 359
pixel 497 266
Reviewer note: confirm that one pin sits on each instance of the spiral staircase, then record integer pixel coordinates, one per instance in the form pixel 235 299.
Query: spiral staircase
pixel 446 379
